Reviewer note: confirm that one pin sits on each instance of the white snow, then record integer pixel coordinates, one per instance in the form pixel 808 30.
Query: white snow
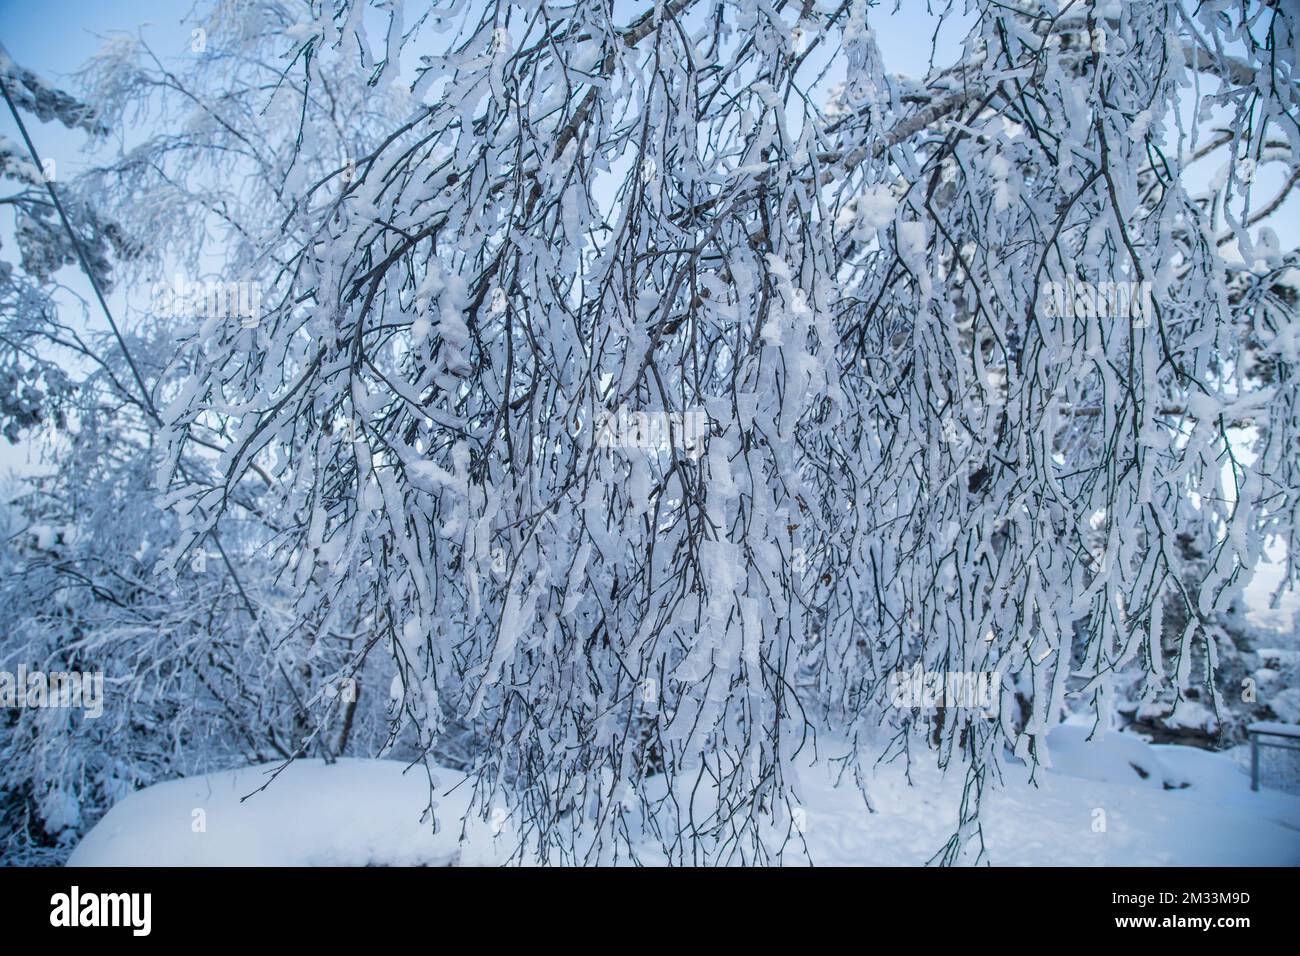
pixel 350 813
pixel 1118 758
pixel 876 207
pixel 1093 808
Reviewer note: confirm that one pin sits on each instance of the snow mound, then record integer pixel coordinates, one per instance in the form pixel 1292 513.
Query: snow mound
pixel 349 813
pixel 1109 758
pixel 1093 809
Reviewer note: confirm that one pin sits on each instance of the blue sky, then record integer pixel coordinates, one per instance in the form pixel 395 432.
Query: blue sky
pixel 55 38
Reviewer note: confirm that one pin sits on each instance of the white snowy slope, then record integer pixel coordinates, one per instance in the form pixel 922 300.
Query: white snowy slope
pixel 1214 821
pixel 350 813
pixel 1092 809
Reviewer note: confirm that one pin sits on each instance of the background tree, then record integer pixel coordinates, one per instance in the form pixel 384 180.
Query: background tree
pixel 198 672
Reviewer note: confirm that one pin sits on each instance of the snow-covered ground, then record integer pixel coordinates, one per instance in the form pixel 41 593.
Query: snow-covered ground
pixel 1109 803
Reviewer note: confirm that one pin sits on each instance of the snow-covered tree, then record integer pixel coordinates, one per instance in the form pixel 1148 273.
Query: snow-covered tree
pixel 199 673
pixel 648 388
